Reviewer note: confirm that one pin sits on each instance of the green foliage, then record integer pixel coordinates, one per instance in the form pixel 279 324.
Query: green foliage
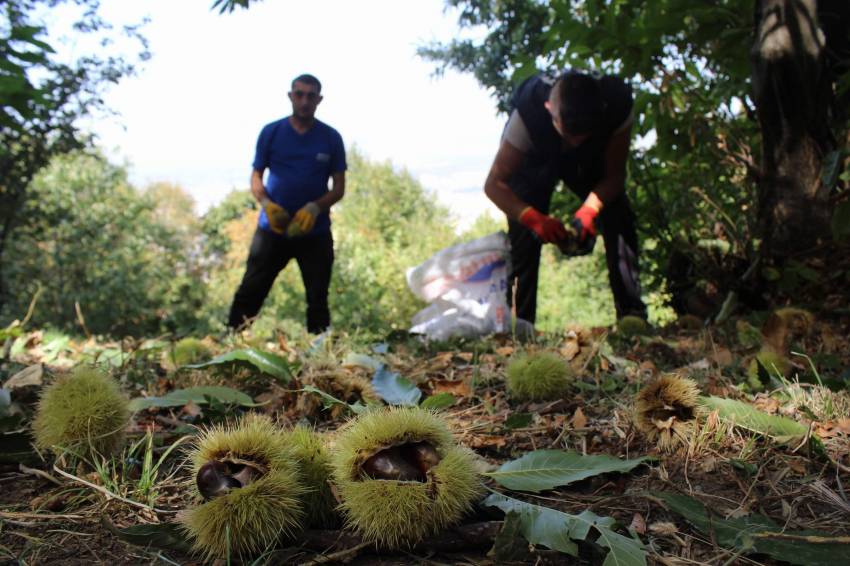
pixel 89 238
pixel 757 534
pixel 542 470
pixel 43 97
pixel 746 416
pixel 558 531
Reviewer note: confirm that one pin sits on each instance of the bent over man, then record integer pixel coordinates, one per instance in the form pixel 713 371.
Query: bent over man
pixel 576 128
pixel 301 154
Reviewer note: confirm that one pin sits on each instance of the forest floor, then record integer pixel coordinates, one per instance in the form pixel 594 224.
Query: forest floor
pixel 726 476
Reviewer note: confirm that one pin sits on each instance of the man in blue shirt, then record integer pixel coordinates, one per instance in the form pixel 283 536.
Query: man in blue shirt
pixel 301 153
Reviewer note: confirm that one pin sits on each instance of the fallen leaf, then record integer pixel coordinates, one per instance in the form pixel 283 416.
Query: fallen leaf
pixel 488 441
pixel 722 357
pixel 27 376
pixel 578 421
pixel 638 524
pixel 505 351
pixel 663 528
pixel 459 388
pixel 767 404
pixel 571 348
pixel 192 409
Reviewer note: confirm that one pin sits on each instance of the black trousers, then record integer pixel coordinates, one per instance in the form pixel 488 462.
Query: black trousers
pixel 269 254
pixel 535 184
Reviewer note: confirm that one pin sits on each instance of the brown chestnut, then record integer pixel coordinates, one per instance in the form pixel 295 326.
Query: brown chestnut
pixel 390 464
pixel 214 479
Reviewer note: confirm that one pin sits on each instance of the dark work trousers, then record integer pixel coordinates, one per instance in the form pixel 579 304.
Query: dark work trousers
pixel 616 222
pixel 268 256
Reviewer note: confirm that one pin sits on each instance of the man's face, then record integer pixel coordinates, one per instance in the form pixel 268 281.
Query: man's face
pixel 305 98
pixel 553 105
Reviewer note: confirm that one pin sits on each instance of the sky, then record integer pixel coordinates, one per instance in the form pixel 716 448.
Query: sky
pixel 192 114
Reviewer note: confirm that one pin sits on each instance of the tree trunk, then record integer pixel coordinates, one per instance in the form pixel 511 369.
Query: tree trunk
pixel 792 89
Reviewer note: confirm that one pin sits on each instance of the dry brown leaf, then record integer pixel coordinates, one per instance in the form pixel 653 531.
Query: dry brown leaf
pixel 767 404
pixel 488 441
pixel 722 357
pixel 638 524
pixel 460 388
pixel 465 356
pixel 663 528
pixel 505 351
pixel 579 420
pixel 571 348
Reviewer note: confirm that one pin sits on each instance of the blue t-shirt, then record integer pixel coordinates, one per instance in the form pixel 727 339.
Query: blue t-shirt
pixel 299 166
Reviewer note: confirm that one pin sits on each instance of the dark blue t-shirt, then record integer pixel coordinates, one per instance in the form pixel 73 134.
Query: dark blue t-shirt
pixel 299 166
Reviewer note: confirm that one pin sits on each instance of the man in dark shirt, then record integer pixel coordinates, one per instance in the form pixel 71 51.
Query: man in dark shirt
pixel 575 128
pixel 301 154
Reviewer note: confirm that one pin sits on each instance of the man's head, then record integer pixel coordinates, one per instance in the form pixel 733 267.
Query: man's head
pixel 576 106
pixel 305 96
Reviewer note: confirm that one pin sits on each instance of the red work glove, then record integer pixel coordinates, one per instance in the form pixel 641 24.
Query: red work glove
pixel 547 228
pixel 584 222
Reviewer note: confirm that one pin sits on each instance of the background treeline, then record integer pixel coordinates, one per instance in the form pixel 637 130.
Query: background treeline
pixel 98 252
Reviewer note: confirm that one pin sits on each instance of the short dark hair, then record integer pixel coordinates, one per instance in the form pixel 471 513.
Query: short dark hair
pixel 308 79
pixel 582 108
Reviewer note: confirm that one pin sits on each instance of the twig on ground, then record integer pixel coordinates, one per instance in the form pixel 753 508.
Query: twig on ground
pixel 108 493
pixel 39 473
pixel 343 555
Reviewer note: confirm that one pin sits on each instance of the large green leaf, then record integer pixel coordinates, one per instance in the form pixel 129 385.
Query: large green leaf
pixel 756 534
pixel 557 530
pixel 197 395
pixel 746 416
pixel 546 469
pixel 266 362
pixel 394 389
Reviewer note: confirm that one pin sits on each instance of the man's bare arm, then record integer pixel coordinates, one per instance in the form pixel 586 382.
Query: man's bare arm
pixel 614 181
pixel 258 189
pixel 326 201
pixel 508 160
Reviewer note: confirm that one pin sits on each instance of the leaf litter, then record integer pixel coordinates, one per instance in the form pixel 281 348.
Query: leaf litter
pixel 787 493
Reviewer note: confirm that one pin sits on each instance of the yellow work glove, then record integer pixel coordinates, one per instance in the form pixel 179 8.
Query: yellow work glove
pixel 277 215
pixel 304 220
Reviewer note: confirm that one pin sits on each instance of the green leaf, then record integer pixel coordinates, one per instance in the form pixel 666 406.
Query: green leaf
pixel 519 420
pixel 394 389
pixel 555 529
pixel 329 401
pixel 265 362
pixel 507 546
pixel 759 535
pixel 831 168
pixel 841 221
pixel 361 360
pixel 546 469
pixel 167 536
pixel 438 402
pixel 197 395
pixel 746 416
